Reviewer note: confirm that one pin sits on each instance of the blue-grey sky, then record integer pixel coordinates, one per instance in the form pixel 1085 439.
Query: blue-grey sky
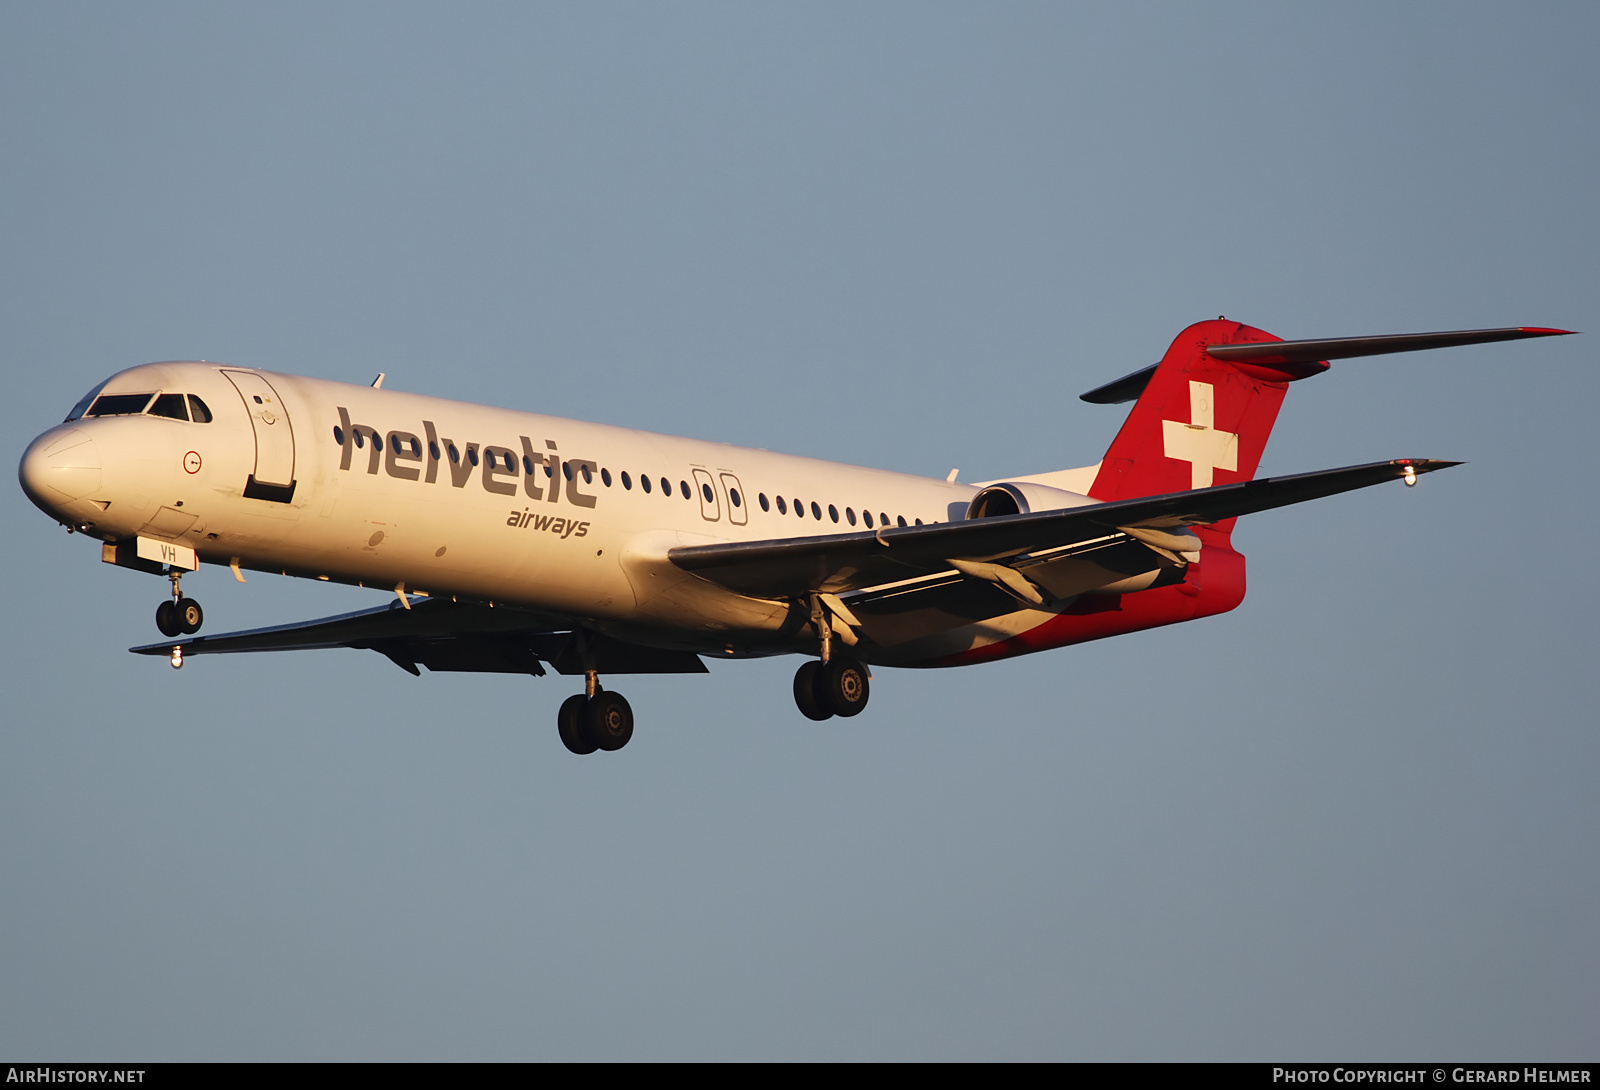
pixel 1354 818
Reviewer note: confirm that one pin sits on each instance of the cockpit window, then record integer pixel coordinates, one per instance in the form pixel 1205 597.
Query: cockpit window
pixel 171 406
pixel 84 402
pixel 120 404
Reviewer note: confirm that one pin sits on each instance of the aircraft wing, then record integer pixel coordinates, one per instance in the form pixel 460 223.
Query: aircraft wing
pixel 846 562
pixel 449 636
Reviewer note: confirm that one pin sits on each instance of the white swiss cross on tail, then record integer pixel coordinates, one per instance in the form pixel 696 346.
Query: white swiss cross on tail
pixel 1197 442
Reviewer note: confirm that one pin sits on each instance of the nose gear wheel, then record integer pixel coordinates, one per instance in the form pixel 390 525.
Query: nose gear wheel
pixel 180 616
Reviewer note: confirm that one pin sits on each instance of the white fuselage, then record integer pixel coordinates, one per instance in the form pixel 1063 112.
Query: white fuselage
pixel 436 497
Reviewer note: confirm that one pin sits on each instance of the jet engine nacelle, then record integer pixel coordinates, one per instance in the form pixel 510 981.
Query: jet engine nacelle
pixel 1021 498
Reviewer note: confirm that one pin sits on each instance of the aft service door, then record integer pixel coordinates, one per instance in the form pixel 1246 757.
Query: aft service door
pixel 273 478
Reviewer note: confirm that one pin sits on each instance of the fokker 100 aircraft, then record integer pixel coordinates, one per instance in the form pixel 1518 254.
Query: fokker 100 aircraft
pixel 512 540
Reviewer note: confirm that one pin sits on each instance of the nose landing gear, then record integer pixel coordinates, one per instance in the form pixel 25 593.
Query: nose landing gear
pixel 594 719
pixel 181 616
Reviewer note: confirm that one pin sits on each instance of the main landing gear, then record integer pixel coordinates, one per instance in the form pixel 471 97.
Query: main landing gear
pixel 823 690
pixel 835 685
pixel 181 616
pixel 595 719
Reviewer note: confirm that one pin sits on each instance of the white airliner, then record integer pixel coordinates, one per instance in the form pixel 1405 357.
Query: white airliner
pixel 512 540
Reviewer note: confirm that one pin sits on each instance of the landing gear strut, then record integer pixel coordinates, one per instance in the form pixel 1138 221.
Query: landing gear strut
pixel 181 616
pixel 594 719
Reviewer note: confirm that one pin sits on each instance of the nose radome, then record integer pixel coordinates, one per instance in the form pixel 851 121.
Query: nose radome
pixel 59 466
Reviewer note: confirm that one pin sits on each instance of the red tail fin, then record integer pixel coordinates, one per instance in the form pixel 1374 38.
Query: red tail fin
pixel 1200 421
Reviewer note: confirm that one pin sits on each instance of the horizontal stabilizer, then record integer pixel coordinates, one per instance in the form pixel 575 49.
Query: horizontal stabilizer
pixel 1130 386
pixel 1343 348
pixel 1117 391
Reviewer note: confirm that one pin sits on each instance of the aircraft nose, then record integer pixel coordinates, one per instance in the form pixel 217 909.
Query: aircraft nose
pixel 60 466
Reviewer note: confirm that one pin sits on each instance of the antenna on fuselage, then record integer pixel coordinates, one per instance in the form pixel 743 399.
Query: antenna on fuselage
pixel 377 383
